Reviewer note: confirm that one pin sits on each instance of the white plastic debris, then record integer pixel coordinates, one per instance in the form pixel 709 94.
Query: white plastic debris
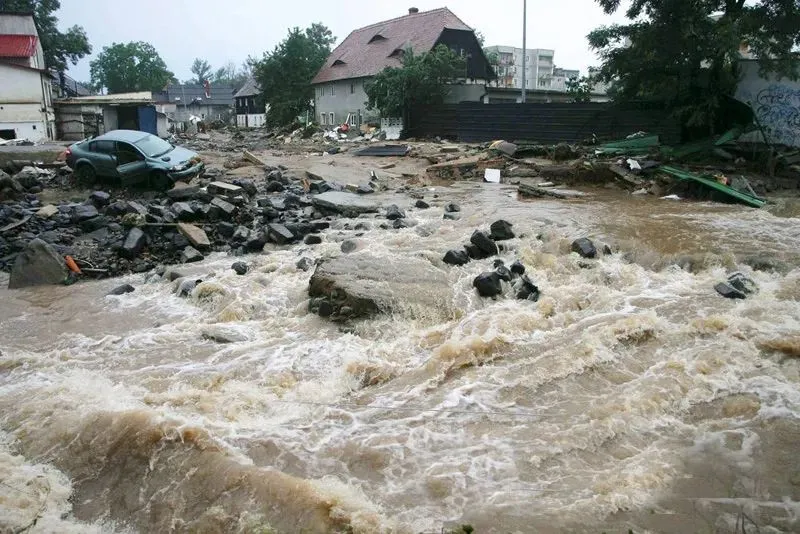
pixel 634 165
pixel 492 176
pixel 671 197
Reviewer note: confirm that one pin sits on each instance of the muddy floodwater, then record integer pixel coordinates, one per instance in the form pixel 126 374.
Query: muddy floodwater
pixel 631 396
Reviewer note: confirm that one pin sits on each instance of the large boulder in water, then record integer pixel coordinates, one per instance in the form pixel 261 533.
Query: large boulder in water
pixel 365 285
pixel 39 264
pixel 584 248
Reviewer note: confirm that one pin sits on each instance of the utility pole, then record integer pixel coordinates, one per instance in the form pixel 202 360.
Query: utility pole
pixel 524 49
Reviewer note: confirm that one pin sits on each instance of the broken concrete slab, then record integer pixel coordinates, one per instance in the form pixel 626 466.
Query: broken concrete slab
pixel 348 204
pixel 47 211
pixel 196 235
pixel 362 285
pixel 224 189
pixel 183 191
pixel 533 191
pixel 38 264
pixel 252 158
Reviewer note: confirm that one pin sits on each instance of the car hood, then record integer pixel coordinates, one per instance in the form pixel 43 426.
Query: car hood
pixel 178 155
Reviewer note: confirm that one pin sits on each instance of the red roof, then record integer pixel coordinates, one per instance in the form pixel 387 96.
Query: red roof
pixel 18 45
pixel 366 51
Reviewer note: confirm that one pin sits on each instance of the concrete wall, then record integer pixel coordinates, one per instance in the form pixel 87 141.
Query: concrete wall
pixel 21 101
pixel 348 97
pixel 110 118
pixel 70 121
pixel 465 93
pixel 252 120
pixel 776 104
pixel 20 85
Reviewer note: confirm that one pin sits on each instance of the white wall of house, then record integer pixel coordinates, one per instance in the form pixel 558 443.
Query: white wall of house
pixel 340 99
pixel 251 120
pixel 25 103
pixel 776 104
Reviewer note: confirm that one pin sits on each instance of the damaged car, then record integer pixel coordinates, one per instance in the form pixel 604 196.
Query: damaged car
pixel 133 158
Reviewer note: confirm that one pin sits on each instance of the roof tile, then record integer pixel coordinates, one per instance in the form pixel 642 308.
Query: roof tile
pixel 361 54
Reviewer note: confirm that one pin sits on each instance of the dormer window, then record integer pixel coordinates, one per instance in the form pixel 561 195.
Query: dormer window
pixel 338 62
pixel 377 37
pixel 397 52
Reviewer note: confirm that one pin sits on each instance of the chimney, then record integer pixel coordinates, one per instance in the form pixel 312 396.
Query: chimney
pixel 413 10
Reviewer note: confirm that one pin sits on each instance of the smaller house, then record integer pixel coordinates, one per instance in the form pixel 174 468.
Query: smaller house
pixel 124 111
pixel 248 114
pixel 213 102
pixel 26 105
pixel 340 84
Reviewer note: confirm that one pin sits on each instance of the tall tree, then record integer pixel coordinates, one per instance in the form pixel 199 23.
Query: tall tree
pixel 125 67
pixel 422 79
pixel 202 70
pixel 232 74
pixel 285 74
pixel 685 53
pixel 60 48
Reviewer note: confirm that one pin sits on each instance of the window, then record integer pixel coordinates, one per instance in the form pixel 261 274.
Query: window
pixel 353 119
pixel 153 146
pixel 127 154
pixel 377 37
pixel 352 88
pixel 332 118
pixel 333 89
pixel 103 147
pixel 323 119
pixel 338 62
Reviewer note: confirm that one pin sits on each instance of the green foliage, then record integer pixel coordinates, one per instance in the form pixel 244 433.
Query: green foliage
pixel 59 47
pixel 128 67
pixel 675 52
pixel 284 75
pixel 423 79
pixel 580 89
pixel 202 71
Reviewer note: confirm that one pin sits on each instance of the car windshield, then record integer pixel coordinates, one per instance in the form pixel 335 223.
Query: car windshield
pixel 153 147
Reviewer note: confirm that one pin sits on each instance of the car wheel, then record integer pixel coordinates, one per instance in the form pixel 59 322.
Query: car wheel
pixel 160 181
pixel 85 174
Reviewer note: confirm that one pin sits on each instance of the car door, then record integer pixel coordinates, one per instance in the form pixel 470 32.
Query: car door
pixel 104 158
pixel 132 167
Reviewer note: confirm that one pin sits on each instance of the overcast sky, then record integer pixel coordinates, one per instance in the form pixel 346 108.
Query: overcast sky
pixel 221 31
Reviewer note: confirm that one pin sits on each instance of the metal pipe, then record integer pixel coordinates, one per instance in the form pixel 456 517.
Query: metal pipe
pixel 524 49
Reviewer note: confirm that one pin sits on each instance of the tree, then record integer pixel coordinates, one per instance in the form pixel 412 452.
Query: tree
pixel 202 70
pixel 422 79
pixel 59 47
pixel 126 67
pixel 233 75
pixel 580 89
pixel 285 74
pixel 685 53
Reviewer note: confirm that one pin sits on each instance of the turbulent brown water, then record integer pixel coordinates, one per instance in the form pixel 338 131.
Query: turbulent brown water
pixel 630 397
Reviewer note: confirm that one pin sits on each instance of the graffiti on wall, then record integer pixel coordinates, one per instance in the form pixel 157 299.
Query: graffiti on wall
pixel 778 110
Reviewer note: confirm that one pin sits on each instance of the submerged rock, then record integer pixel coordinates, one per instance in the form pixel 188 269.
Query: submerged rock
pixel 525 289
pixel 394 212
pixel 456 257
pixel 304 264
pixel 240 268
pixel 312 239
pixel 122 290
pixel 501 230
pixel 348 204
pixel 488 284
pixel 221 334
pixel 729 292
pixel 584 247
pixel 518 268
pixel 421 204
pixel 738 286
pixel 484 243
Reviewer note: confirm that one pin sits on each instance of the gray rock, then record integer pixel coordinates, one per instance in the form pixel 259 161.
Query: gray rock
pixel 28 177
pixel 488 284
pixel 38 264
pixel 304 264
pixel 134 242
pixel 504 273
pixel 183 211
pixel 501 230
pixel 348 204
pixel 240 268
pixel 369 285
pixel 121 290
pixel 456 257
pixel 742 283
pixel 312 239
pixel 226 209
pixel 171 275
pixel 325 308
pixel 393 213
pixel 279 234
pixel 275 187
pixel 191 255
pixel 183 191
pixel 475 253
pixel 83 212
pixel 451 216
pixel 364 190
pixel 100 199
pixel 452 208
pixel 525 289
pixel 518 268
pixel 349 245
pixel 729 292
pixel 421 204
pixel 186 287
pixel 222 334
pixel 484 242
pixel 226 229
pixel 584 248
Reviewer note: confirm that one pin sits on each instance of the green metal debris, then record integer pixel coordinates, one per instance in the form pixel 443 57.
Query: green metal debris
pixel 632 146
pixel 733 194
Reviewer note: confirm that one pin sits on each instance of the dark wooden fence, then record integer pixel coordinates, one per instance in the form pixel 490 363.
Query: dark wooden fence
pixel 540 123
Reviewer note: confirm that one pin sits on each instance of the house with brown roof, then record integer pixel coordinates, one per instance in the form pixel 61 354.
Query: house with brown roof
pixel 26 103
pixel 339 85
